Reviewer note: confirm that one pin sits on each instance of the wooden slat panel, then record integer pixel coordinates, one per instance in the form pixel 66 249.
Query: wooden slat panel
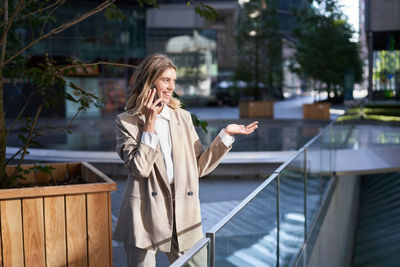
pixel 59 173
pixel 97 207
pixel 11 233
pixel 33 223
pixel 110 228
pixel 29 178
pixel 74 169
pixel 89 175
pixel 1 258
pixel 56 190
pixel 76 230
pixel 104 183
pixel 42 177
pixel 55 231
pixel 94 175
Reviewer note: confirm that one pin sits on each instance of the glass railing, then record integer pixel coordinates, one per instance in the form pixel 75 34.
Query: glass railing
pixel 198 255
pixel 248 235
pixel 270 226
pixel 278 223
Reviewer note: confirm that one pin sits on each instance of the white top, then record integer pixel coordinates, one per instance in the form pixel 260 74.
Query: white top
pixel 163 135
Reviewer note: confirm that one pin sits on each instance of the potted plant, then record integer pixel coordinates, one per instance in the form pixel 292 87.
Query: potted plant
pixel 317 111
pixel 50 214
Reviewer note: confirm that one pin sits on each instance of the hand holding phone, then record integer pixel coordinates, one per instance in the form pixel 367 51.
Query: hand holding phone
pixel 156 96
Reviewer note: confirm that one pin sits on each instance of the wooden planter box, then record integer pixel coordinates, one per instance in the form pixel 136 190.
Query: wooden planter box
pixel 67 225
pixel 256 109
pixel 317 111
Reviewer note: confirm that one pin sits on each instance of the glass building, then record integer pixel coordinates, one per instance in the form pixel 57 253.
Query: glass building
pixel 95 39
pixel 380 37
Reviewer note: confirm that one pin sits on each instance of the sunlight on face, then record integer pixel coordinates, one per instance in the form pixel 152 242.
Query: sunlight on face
pixel 166 84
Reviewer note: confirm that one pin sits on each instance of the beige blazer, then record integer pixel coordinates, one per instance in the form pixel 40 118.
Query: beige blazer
pixel 146 216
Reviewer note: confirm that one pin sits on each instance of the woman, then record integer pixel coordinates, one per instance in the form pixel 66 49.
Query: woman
pixel 156 139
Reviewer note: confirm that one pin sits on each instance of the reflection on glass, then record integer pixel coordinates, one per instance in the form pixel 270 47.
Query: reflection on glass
pixel 201 256
pixel 291 211
pixel 250 237
pixel 327 152
pixel 198 255
pixel 193 52
pixel 314 197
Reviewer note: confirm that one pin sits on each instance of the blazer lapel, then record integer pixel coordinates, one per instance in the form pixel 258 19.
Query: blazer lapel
pixel 175 128
pixel 159 163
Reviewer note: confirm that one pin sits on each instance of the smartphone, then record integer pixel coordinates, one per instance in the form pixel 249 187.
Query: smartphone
pixel 156 96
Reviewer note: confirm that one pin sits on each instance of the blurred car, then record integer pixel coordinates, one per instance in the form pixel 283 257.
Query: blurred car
pixel 229 92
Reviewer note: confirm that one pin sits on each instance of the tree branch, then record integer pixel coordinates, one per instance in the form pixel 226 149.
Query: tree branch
pixel 23 7
pixel 20 113
pixel 48 16
pixel 59 2
pixel 62 28
pixel 69 126
pixel 8 22
pixel 98 63
pixel 28 140
pixel 13 156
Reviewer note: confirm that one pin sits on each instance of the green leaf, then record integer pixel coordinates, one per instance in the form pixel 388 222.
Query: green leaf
pixel 112 12
pixel 42 168
pixel 204 125
pixel 70 97
pixel 36 143
pixel 98 104
pixel 22 138
pixel 207 12
pixel 197 122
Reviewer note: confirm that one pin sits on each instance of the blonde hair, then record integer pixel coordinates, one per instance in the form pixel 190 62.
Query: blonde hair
pixel 143 79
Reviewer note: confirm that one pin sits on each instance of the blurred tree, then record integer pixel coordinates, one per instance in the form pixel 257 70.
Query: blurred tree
pixel 324 50
pixel 259 48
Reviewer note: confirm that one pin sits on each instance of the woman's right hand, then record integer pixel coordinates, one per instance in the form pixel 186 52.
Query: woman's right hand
pixel 150 110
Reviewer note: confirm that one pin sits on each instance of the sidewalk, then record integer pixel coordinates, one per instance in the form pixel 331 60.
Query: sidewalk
pixel 286 109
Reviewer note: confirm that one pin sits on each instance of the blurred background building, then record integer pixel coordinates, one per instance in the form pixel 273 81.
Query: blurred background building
pixel 380 39
pixel 204 51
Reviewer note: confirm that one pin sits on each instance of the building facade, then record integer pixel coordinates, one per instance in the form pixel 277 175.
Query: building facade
pixel 380 32
pixel 202 50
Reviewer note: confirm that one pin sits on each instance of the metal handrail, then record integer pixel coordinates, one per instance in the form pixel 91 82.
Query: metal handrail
pixel 211 233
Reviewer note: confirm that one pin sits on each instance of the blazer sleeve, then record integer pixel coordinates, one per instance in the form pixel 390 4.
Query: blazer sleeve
pixel 209 158
pixel 138 157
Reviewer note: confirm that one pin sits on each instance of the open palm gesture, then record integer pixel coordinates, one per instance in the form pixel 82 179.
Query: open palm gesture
pixel 233 129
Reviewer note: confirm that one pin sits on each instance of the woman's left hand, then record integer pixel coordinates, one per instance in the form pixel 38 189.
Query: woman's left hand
pixel 233 129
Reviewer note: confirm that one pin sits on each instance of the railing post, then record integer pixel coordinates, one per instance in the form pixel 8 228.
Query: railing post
pixel 330 149
pixel 277 219
pixel 305 192
pixel 212 248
